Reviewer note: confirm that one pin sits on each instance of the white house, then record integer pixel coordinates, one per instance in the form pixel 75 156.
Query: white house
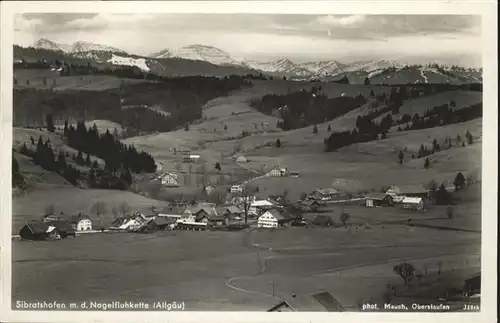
pixel 168 179
pixel 278 171
pixel 81 223
pixel 131 224
pixel 236 189
pixel 269 219
pixel 413 203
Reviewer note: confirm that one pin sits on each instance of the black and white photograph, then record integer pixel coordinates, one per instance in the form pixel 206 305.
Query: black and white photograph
pixel 248 161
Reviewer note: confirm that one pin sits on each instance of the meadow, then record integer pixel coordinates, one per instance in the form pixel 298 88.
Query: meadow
pixel 222 270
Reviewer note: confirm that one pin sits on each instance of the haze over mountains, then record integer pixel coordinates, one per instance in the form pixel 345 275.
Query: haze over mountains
pixel 281 67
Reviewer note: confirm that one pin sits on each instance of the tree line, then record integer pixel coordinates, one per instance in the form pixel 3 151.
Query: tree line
pixel 107 147
pixel 43 155
pixel 304 108
pixel 63 164
pixel 439 116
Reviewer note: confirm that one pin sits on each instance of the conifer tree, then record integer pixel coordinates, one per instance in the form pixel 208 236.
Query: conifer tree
pixel 427 163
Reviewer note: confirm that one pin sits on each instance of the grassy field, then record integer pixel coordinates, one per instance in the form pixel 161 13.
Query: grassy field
pixel 77 82
pixel 218 270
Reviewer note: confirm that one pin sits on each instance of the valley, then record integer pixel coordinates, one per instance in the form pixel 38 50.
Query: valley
pixel 133 130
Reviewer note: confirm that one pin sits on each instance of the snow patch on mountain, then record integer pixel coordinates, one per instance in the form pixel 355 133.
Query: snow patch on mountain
pixel 129 61
pixel 204 53
pixel 164 53
pixel 43 43
pixel 83 46
pixel 282 65
pixel 372 66
pixel 323 68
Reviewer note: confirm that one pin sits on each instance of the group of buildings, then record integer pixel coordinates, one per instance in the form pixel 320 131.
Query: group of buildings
pixel 411 197
pixel 53 227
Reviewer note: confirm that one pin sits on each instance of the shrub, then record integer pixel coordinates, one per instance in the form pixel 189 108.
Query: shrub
pixel 405 270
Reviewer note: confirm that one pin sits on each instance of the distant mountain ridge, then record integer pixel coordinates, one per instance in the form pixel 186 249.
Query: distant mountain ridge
pixel 167 60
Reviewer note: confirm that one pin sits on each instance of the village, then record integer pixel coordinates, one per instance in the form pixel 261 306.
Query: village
pixel 243 209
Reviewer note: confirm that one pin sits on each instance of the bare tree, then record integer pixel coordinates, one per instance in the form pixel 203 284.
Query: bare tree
pixel 98 208
pixel 246 197
pixel 124 208
pixel 114 211
pixel 50 209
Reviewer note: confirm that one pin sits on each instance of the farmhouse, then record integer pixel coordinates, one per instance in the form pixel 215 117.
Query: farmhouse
pixel 259 206
pixel 64 228
pixel 408 190
pixel 274 218
pixel 130 225
pixel 376 199
pixel 324 194
pixel 81 222
pixel 278 171
pixel 34 230
pixel 168 179
pixel 413 203
pixel 173 211
pixel 236 189
pixel 229 212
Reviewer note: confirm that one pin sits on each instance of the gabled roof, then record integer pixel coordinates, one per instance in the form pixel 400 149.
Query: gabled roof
pixel 279 215
pixel 62 225
pixel 173 210
pixel 409 189
pixel 327 191
pixel 260 203
pixel 77 218
pixel 209 210
pixel 37 227
pixel 412 200
pixel 376 196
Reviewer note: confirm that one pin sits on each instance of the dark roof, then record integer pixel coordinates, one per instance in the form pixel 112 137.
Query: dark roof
pixel 62 225
pixel 376 196
pixel 174 209
pixel 411 189
pixel 281 215
pixel 37 227
pixel 160 220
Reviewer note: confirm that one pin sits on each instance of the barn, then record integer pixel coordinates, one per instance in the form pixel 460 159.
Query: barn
pixel 376 199
pixel 34 230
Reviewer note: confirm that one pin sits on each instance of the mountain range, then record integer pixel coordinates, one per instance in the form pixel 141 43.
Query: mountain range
pixel 212 60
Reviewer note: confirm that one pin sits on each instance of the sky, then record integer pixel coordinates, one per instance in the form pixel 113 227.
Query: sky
pixel 418 39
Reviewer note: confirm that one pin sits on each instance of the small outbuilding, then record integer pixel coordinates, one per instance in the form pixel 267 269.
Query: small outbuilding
pixel 241 159
pixel 413 203
pixel 376 199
